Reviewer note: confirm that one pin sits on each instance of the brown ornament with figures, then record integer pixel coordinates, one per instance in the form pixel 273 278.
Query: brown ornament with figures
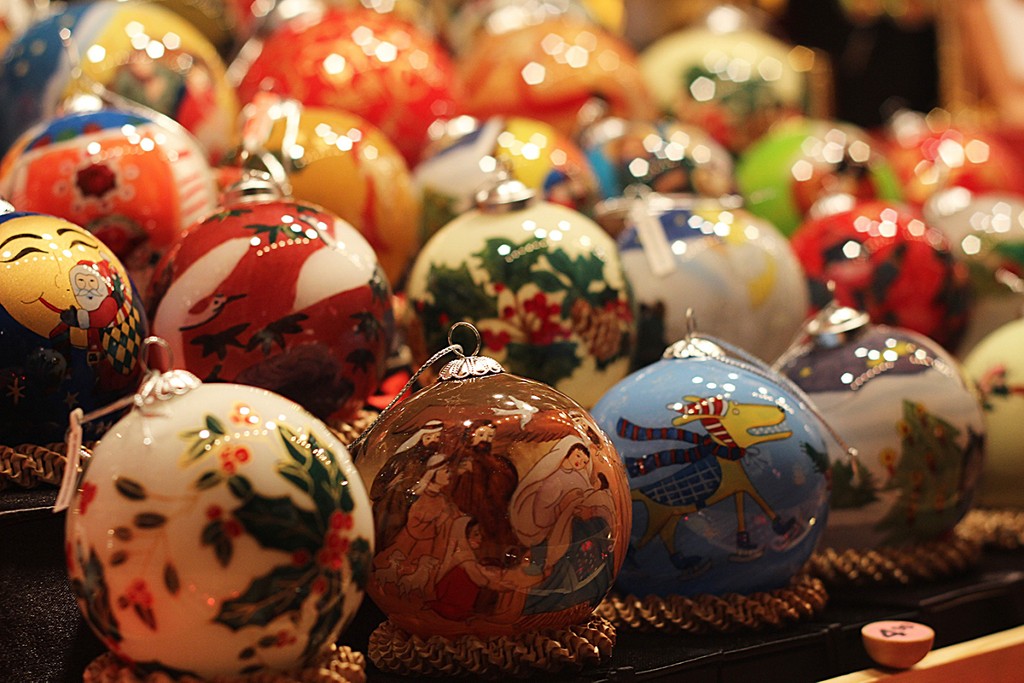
pixel 502 513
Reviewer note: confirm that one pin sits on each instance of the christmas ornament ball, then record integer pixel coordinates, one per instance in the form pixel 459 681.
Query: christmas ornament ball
pixel 278 294
pixel 995 364
pixel 138 50
pixel 726 468
pixel 733 271
pixel 133 181
pixel 219 532
pixel 883 259
pixel 341 162
pixel 906 406
pixel 71 327
pixel 543 284
pixel 500 507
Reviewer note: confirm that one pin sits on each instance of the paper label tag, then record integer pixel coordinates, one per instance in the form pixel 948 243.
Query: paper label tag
pixel 72 468
pixel 652 238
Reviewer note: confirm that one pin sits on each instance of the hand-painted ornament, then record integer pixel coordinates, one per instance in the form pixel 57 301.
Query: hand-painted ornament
pixel 141 51
pixel 213 18
pixel 549 71
pixel 278 294
pixel 667 157
pixel 71 327
pixel 905 405
pixel 985 231
pixel 726 471
pixel 220 532
pixel 469 21
pixel 728 77
pixel 886 261
pixel 345 164
pixel 468 151
pixel 785 172
pixel 734 271
pixel 542 283
pixel 928 154
pixel 499 506
pixel 997 366
pixel 133 181
pixel 373 65
pixel 15 17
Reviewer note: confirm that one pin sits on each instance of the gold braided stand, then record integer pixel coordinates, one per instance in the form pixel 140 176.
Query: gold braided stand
pixel 335 665
pixel 928 561
pixel 802 599
pixel 29 466
pixel 347 432
pixel 1002 529
pixel 551 650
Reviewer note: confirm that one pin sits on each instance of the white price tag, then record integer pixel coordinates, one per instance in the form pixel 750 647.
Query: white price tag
pixel 652 238
pixel 69 482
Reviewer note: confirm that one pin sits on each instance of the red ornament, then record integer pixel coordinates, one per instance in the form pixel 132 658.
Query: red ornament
pixel 375 65
pixel 281 295
pixel 885 261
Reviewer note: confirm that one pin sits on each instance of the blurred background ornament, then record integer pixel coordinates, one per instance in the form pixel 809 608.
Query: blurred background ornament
pixel 884 260
pixel 798 162
pixel 279 294
pixel 343 163
pixel 71 327
pixel 222 532
pixel 729 76
pixel 544 285
pixel 465 152
pixel 907 407
pixel 138 50
pixel 711 259
pixel 469 21
pixel 133 181
pixel 727 470
pixel 376 66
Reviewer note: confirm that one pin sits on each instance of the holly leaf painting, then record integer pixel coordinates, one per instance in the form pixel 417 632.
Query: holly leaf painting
pixel 314 469
pixel 359 556
pixel 329 609
pixel 281 591
pixel 455 296
pixel 230 213
pixel 274 333
pixel 582 271
pixel 509 263
pixel 550 364
pixel 277 524
pixel 92 590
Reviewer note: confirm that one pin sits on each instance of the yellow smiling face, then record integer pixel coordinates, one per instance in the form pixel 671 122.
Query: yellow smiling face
pixel 37 256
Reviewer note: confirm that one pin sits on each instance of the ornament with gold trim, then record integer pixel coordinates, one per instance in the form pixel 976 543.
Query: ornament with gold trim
pixel 543 284
pixel 466 151
pixel 727 469
pixel 141 51
pixel 280 294
pixel 218 530
pixel 907 407
pixel 500 507
pixel 71 327
pixel 377 66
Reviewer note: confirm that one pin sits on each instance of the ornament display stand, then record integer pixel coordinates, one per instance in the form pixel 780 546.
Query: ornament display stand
pixel 336 665
pixel 927 561
pixel 349 431
pixel 1000 528
pixel 393 650
pixel 802 600
pixel 29 465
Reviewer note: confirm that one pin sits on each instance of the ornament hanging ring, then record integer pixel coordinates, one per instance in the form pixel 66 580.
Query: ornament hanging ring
pixel 476 333
pixel 154 340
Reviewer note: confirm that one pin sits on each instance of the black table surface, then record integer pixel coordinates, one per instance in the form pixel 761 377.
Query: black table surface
pixel 43 639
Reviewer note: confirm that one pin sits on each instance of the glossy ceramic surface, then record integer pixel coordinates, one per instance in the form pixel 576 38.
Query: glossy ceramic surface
pixel 549 71
pixel 884 260
pixel 373 65
pixel 737 274
pixel 985 231
pixel 71 328
pixel 130 180
pixel 468 151
pixel 784 173
pixel 545 287
pixel 281 295
pixel 733 83
pixel 929 155
pixel 144 52
pixel 345 164
pixel 997 366
pixel 904 404
pixel 500 509
pixel 727 475
pixel 219 533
